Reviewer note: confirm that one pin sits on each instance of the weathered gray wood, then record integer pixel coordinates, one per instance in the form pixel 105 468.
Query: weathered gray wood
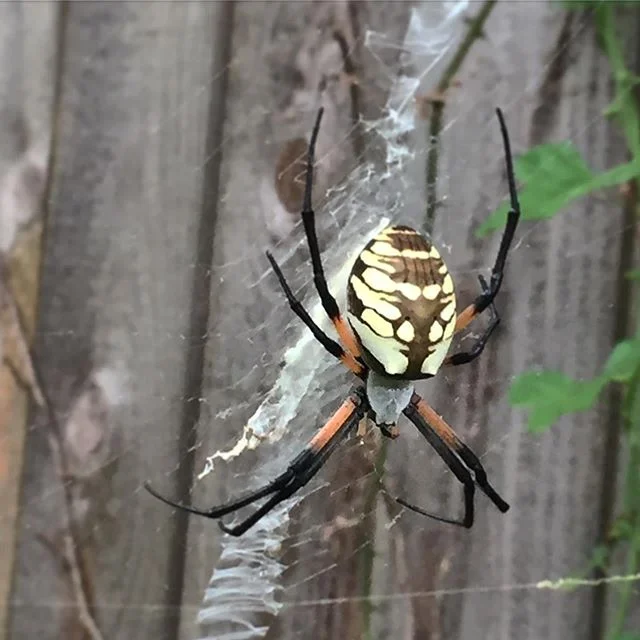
pixel 113 335
pixel 136 219
pixel 612 501
pixel 28 44
pixel 559 293
pixel 273 98
pixel 558 310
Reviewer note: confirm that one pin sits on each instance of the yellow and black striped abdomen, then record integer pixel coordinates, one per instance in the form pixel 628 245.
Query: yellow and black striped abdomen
pixel 402 304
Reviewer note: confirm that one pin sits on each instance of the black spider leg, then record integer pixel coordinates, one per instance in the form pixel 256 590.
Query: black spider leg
pixel 454 464
pixel 454 459
pixel 308 220
pixel 471 460
pixel 464 357
pixel 434 422
pixel 329 303
pixel 217 512
pixel 497 273
pixel 303 468
pixel 333 347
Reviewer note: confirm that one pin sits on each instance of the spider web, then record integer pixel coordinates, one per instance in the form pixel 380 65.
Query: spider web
pixel 278 385
pixel 248 577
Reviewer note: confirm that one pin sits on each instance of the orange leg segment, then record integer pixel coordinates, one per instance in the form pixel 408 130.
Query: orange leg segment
pixel 453 442
pixel 332 426
pixel 346 335
pixel 438 424
pixel 466 317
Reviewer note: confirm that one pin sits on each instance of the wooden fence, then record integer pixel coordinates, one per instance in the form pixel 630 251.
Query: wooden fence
pixel 138 188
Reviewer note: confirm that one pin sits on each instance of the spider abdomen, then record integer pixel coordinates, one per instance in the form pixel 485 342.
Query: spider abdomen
pixel 401 304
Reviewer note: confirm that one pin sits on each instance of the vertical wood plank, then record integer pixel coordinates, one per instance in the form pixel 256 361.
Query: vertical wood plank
pixel 558 311
pixel 554 284
pixel 119 275
pixel 273 98
pixel 609 597
pixel 28 44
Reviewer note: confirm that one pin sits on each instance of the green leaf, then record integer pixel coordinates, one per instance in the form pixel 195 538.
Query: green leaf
pixel 628 635
pixel 633 274
pixel 623 361
pixel 600 557
pixel 621 529
pixel 554 175
pixel 591 4
pixel 580 4
pixel 618 175
pixel 550 394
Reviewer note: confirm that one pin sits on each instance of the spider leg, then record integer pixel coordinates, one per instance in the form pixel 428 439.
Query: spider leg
pixel 312 458
pixel 305 468
pixel 334 348
pixel 308 220
pixel 454 464
pixel 302 468
pixel 462 450
pixel 463 357
pixel 217 512
pixel 452 450
pixel 486 298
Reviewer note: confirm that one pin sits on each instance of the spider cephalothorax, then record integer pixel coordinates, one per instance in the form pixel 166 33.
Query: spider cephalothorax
pixel 401 322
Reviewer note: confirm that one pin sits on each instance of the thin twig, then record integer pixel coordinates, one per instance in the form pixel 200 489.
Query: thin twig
pixel 345 34
pixel 474 31
pixel 24 368
pixel 16 354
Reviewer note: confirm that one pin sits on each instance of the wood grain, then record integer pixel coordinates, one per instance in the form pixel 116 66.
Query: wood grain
pixel 113 334
pixel 160 327
pixel 273 99
pixel 28 41
pixel 558 313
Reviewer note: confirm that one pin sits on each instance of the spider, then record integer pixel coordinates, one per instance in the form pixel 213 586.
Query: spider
pixel 400 323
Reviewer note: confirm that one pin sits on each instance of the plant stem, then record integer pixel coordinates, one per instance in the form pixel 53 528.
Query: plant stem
pixel 625 110
pixel 474 31
pixel 367 556
pixel 631 495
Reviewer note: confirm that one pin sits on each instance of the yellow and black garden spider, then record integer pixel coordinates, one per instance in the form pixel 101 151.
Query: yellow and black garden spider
pixel 401 321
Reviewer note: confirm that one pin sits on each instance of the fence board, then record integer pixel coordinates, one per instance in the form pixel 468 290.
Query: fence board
pixel 113 335
pixel 28 41
pixel 612 501
pixel 160 328
pixel 272 100
pixel 558 313
pixel 546 307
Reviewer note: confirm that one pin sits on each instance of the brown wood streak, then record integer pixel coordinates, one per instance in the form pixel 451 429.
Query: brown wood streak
pixel 27 41
pixel 289 174
pixel 296 33
pixel 23 267
pixel 19 360
pixel 117 281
